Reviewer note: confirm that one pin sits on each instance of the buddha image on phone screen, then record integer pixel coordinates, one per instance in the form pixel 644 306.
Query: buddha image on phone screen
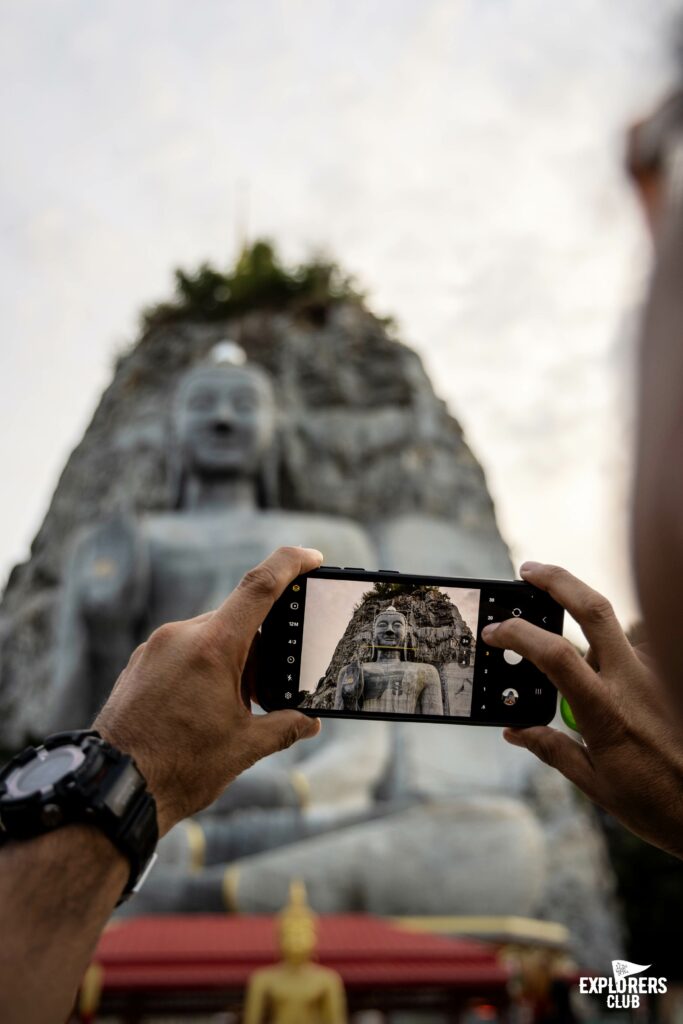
pixel 398 649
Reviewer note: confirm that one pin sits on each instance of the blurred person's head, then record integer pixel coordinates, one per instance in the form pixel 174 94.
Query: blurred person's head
pixel 655 161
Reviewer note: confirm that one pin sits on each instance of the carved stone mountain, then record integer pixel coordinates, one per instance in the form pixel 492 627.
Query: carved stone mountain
pixel 437 631
pixel 361 434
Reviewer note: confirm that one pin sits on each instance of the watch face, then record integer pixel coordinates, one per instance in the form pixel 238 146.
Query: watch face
pixel 44 770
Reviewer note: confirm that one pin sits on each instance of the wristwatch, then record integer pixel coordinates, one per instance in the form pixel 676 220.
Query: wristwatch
pixel 79 778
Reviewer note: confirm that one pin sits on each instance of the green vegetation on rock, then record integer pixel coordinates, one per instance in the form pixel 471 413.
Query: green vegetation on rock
pixel 384 590
pixel 258 280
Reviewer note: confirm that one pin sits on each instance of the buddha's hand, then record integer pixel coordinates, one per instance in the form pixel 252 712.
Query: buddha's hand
pixel 631 758
pixel 180 707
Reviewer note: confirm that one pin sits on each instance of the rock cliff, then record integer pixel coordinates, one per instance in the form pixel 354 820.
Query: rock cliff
pixel 361 434
pixel 438 636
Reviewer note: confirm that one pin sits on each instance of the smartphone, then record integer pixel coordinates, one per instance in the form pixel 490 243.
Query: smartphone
pixel 350 643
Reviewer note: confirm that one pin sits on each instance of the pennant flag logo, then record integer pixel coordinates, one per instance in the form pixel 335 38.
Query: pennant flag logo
pixel 624 968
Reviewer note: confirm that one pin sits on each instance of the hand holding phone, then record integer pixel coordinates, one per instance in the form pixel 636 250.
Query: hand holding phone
pixel 355 644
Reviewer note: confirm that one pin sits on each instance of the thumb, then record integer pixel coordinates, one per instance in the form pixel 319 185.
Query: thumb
pixel 280 729
pixel 559 751
pixel 243 611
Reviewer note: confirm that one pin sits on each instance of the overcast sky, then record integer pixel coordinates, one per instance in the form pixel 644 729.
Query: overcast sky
pixel 462 158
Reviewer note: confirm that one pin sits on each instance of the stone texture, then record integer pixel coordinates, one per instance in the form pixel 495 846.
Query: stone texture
pixel 361 434
pixel 436 633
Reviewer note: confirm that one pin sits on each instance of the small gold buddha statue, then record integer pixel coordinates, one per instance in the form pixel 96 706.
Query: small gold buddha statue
pixel 296 991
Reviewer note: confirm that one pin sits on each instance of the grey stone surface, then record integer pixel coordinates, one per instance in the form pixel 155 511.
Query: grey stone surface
pixel 466 856
pixel 436 635
pixel 359 434
pixel 575 854
pixel 128 576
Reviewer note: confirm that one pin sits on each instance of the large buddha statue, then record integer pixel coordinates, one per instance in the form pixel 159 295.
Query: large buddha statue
pixel 415 819
pixel 389 683
pixel 127 576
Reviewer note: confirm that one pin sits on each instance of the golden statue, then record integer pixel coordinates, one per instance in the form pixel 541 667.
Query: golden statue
pixel 296 991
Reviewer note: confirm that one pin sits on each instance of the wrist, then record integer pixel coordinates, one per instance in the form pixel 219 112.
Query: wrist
pixel 75 779
pixel 144 759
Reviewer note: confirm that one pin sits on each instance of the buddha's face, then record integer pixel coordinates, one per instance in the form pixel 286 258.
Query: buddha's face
pixel 391 629
pixel 224 420
pixel 298 940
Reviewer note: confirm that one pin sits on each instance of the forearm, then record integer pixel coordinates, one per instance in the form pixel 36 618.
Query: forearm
pixel 57 892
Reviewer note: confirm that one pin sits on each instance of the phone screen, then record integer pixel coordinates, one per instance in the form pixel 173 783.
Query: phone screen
pixel 357 644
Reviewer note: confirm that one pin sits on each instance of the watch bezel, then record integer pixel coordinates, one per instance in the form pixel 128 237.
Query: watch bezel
pixel 43 754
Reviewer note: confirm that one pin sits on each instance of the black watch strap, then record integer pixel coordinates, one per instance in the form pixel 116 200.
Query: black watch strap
pixel 137 839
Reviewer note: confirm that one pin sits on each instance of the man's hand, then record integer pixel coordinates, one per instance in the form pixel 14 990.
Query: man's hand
pixel 631 758
pixel 179 707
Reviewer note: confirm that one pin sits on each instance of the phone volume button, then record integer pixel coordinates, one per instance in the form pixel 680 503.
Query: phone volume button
pixel 354 568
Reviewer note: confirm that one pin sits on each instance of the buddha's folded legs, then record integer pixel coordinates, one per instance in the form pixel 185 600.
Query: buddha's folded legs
pixel 208 840
pixel 465 856
pixel 478 856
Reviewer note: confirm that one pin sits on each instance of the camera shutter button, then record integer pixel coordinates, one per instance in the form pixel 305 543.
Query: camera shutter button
pixel 511 657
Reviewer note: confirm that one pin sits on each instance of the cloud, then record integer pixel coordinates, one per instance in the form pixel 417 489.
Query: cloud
pixel 462 158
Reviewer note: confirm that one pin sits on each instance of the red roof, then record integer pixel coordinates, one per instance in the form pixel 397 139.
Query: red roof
pixel 212 951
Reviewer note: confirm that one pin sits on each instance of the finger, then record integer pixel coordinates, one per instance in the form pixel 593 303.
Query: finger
pixel 135 656
pixel 244 610
pixel 591 660
pixel 645 655
pixel 554 656
pixel 251 671
pixel 280 729
pixel 592 611
pixel 559 751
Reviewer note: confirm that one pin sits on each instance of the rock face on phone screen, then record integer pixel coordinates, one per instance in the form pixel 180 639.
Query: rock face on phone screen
pixel 407 649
